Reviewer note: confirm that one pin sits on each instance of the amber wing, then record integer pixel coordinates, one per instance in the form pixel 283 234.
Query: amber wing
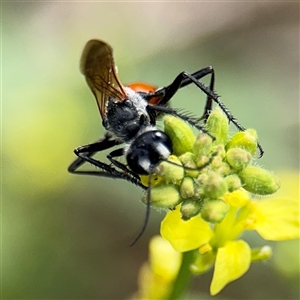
pixel 97 65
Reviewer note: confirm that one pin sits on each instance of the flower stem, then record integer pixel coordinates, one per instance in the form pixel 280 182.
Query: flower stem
pixel 184 276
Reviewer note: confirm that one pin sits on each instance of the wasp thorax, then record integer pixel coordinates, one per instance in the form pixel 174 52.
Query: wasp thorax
pixel 124 119
pixel 147 150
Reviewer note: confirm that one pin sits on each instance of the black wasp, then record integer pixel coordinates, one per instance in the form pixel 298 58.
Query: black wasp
pixel 129 115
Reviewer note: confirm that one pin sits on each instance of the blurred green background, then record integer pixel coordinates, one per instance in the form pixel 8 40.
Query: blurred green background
pixel 66 236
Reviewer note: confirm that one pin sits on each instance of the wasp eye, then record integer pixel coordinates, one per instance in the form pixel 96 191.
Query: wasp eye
pixel 161 138
pixel 157 136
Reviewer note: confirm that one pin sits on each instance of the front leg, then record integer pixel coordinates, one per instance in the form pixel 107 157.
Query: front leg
pixel 123 167
pixel 102 144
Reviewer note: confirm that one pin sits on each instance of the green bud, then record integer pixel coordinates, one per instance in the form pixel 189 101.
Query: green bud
pixel 214 211
pixel 216 162
pixel 203 144
pixel 259 181
pixel 188 161
pixel 217 124
pixel 187 188
pixel 202 178
pixel 190 208
pixel 199 184
pixel 215 186
pixel 238 158
pixel 260 254
pixel 233 183
pixel 244 139
pixel 201 161
pixel 164 196
pixel 219 149
pixel 224 169
pixel 180 133
pixel 187 158
pixel 171 172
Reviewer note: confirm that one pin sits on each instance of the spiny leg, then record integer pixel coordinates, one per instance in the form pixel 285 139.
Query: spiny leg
pixel 184 79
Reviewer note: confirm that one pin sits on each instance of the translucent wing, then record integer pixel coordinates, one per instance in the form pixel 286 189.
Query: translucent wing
pixel 97 65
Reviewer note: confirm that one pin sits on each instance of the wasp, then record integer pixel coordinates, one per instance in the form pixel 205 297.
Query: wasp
pixel 129 115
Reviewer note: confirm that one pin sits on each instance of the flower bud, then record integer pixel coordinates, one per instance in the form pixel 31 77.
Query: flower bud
pixel 203 144
pixel 238 158
pixel 224 169
pixel 259 181
pixel 260 254
pixel 187 157
pixel 171 170
pixel 188 161
pixel 164 196
pixel 244 139
pixel 187 188
pixel 214 211
pixel 216 162
pixel 180 133
pixel 201 179
pixel 215 186
pixel 219 150
pixel 202 161
pixel 190 208
pixel 233 182
pixel 217 124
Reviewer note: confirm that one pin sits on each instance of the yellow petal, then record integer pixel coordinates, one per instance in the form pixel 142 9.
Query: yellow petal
pixel 232 261
pixel 289 184
pixel 275 219
pixel 164 260
pixel 185 235
pixel 237 198
pixel 151 285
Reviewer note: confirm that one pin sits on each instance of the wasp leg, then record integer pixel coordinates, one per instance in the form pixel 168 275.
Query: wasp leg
pixel 104 143
pixel 184 79
pixel 184 82
pixel 198 75
pixel 123 167
pixel 85 154
pixel 109 171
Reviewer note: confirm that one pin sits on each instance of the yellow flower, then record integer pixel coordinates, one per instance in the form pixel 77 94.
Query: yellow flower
pixel 221 245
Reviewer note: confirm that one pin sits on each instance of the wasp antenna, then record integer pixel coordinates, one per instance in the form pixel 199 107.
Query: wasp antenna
pixel 208 162
pixel 189 168
pixel 146 221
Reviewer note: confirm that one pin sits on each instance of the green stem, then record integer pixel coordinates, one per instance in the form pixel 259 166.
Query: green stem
pixel 183 277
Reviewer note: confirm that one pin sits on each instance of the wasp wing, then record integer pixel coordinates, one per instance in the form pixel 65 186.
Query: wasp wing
pixel 97 65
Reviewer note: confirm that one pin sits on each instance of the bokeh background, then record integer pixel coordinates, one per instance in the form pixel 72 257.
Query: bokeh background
pixel 66 236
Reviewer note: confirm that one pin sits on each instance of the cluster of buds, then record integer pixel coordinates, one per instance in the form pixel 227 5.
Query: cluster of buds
pixel 201 170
